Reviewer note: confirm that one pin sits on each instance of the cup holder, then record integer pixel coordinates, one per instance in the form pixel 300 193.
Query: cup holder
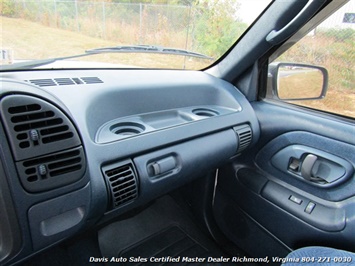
pixel 127 128
pixel 205 112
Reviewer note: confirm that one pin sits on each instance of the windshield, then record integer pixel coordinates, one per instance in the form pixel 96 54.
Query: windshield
pixel 56 29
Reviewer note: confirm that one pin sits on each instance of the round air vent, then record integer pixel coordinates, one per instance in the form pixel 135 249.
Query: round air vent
pixel 205 112
pixel 127 128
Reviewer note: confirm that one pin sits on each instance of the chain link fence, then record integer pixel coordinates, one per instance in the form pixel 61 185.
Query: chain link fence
pixel 167 25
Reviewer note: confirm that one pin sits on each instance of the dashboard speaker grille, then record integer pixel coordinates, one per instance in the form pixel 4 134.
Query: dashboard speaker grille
pixel 122 181
pixel 244 134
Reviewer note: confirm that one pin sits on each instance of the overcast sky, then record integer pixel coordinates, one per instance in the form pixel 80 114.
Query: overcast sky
pixel 250 9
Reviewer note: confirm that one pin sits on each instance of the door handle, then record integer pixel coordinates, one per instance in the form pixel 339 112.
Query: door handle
pixel 307 166
pixel 313 166
pixel 320 170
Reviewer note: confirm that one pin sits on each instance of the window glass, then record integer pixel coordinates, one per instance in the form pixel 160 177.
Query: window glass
pixel 42 29
pixel 330 45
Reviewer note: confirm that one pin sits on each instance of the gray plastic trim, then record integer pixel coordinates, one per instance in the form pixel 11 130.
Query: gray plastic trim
pixel 144 123
pixel 322 217
pixel 58 218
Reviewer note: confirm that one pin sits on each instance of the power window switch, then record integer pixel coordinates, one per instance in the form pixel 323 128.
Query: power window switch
pixel 295 200
pixel 310 207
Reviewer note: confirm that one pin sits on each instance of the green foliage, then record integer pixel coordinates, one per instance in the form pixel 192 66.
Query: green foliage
pixel 217 28
pixel 7 8
pixel 216 37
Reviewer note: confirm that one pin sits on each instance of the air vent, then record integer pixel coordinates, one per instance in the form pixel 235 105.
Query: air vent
pixel 245 135
pixel 43 82
pixel 52 171
pixel 36 127
pixel 64 81
pixel 92 80
pixel 122 182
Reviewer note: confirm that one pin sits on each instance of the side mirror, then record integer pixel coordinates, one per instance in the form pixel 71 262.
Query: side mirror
pixel 295 82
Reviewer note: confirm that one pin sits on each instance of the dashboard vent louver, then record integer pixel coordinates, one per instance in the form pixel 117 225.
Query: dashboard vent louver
pixel 244 134
pixel 51 171
pixel 36 127
pixel 65 81
pixel 122 181
pixel 92 80
pixel 43 82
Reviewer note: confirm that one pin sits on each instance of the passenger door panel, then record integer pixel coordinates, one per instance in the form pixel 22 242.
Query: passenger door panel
pixel 265 191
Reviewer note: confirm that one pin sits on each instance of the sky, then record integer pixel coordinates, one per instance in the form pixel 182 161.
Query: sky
pixel 250 9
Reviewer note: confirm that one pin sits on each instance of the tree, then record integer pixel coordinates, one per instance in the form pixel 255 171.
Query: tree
pixel 217 26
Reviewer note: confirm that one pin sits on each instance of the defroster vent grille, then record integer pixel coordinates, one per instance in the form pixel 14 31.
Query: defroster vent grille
pixel 122 183
pixel 64 81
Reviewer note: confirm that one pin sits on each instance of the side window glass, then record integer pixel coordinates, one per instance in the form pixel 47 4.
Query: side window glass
pixel 330 47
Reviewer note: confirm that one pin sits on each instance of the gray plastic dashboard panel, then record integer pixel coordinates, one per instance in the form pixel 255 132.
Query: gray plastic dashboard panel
pixel 161 99
pixel 190 159
pixel 133 125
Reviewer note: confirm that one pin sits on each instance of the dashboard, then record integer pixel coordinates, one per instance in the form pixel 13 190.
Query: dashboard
pixel 80 147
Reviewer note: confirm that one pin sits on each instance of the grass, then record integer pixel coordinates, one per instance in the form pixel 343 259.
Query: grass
pixel 337 100
pixel 290 88
pixel 30 40
pixel 338 58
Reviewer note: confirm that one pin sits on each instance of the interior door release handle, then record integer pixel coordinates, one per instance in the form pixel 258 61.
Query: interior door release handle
pixel 321 170
pixel 313 166
pixel 307 166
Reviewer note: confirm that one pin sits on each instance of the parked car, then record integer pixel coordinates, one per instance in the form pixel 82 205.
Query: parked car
pixel 143 154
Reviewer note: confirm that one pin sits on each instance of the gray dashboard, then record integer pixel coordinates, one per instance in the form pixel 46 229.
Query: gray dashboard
pixel 80 147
